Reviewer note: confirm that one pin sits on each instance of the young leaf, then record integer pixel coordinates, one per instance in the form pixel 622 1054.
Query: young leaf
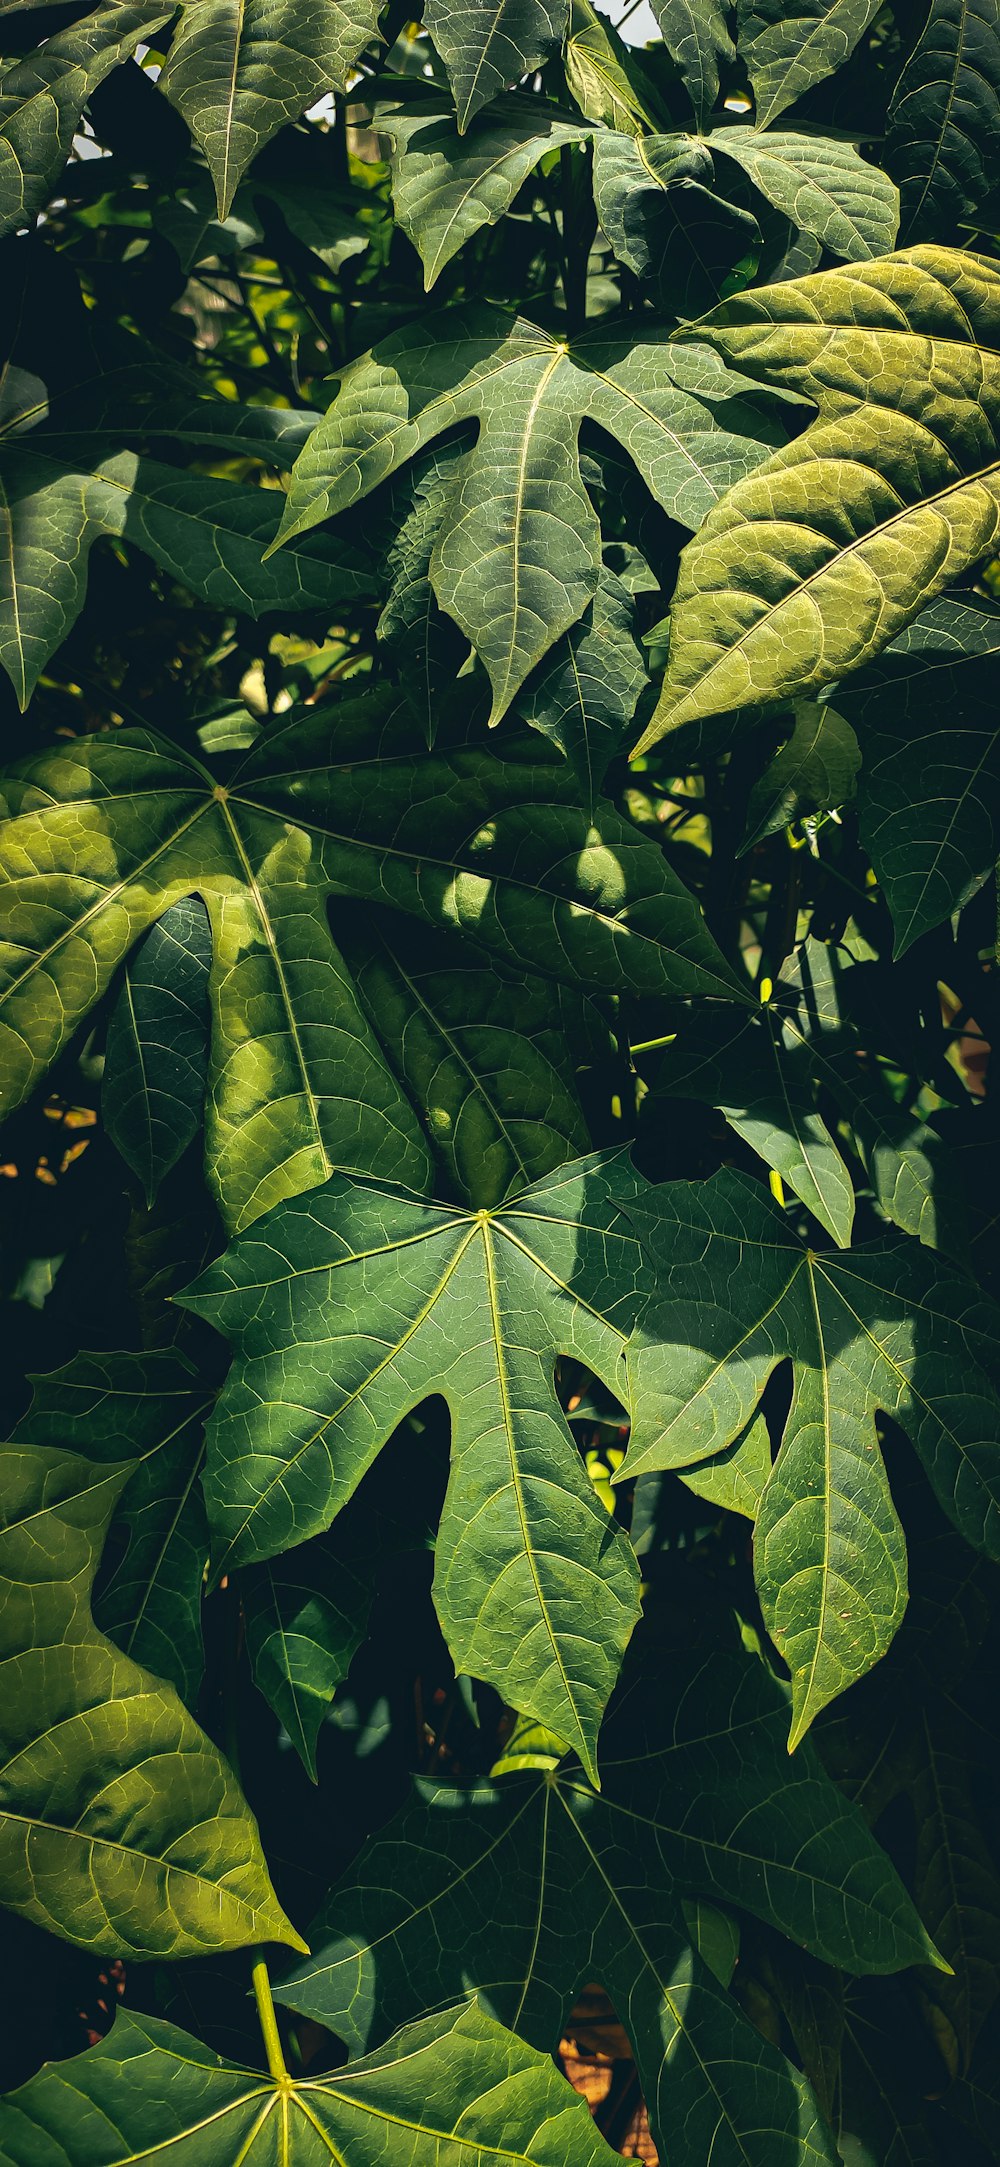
pixel 487 48
pixel 446 187
pixel 237 74
pixel 453 2086
pixel 350 1306
pixel 813 564
pixel 345 802
pixel 156 1058
pixel 944 116
pixel 518 556
pixel 825 187
pixel 43 96
pixel 520 1886
pixel 885 1329
pixel 696 35
pixel 929 705
pixel 787 50
pixel 816 769
pixel 152 1407
pixel 122 1828
pixel 305 1616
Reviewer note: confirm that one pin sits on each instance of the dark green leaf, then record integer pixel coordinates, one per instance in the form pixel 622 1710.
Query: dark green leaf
pixel 156 1059
pixel 305 1618
pixel 655 203
pixel 446 187
pixel 487 47
pixel 944 117
pixel 815 770
pixel 43 96
pixel 787 50
pixel 821 184
pixel 696 35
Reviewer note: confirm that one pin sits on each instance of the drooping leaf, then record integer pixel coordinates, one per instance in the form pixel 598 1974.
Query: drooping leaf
pixel 237 73
pixel 122 1827
pixel 518 556
pixel 156 1057
pixel 885 1328
pixel 150 1408
pixel 696 35
pixel 944 116
pixel 811 566
pixel 122 826
pixel 446 187
pixel 525 1885
pixel 43 96
pixel 816 769
pixel 655 203
pixel 787 50
pixel 487 45
pixel 455 2085
pixel 928 706
pixel 602 73
pixel 348 1307
pixel 823 185
pixel 305 1617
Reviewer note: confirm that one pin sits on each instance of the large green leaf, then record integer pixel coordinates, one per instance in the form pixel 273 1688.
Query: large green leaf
pixel 518 557
pixel 787 50
pixel 813 564
pixel 822 184
pixel 696 35
pixel 487 45
pixel 239 69
pixel 151 1407
pixel 121 1826
pixel 445 187
pixel 928 707
pixel 526 1887
pixel 43 96
pixel 348 1307
pixel 944 116
pixel 156 1056
pixel 885 1329
pixel 455 2087
pixel 114 829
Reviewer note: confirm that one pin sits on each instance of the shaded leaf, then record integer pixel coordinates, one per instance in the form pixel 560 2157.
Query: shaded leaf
pixel 944 116
pixel 43 96
pixel 787 50
pixel 824 186
pixel 156 1058
pixel 585 693
pixel 305 1617
pixel 655 203
pixel 487 47
pixel 696 35
pixel 453 2084
pixel 815 770
pixel 122 1828
pixel 446 187
pixel 602 73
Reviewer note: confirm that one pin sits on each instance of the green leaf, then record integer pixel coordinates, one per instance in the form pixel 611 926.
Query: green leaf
pixel 813 564
pixel 156 1058
pixel 346 1309
pixel 305 1617
pixel 238 73
pixel 885 1329
pixel 929 706
pixel 955 1877
pixel 151 1407
pixel 122 1827
pixel 453 2086
pixel 602 74
pixel 446 187
pixel 734 1481
pixel 584 695
pixel 815 770
pixel 521 1887
pixel 655 203
pixel 944 116
pixel 486 48
pixel 787 50
pixel 824 186
pixel 345 802
pixel 426 646
pixel 518 556
pixel 696 35
pixel 43 96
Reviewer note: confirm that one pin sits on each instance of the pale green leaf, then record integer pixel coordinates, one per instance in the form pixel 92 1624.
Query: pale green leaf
pixel 239 69
pixel 43 96
pixel 156 1056
pixel 122 1827
pixel 787 50
pixel 518 556
pixel 453 2087
pixel 944 117
pixel 446 187
pixel 487 45
pixel 813 564
pixel 734 1480
pixel 824 186
pixel 815 770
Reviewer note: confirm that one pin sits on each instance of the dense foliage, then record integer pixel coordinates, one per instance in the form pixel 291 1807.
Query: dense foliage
pixel 500 1172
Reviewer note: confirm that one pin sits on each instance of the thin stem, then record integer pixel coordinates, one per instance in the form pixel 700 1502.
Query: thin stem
pixel 268 2022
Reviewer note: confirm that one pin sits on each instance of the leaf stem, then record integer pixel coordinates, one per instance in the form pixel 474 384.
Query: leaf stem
pixel 268 2022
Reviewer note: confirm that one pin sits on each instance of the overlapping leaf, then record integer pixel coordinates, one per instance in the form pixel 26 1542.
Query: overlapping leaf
pixel 156 1056
pixel 455 2085
pixel 885 1329
pixel 239 73
pixel 602 73
pixel 348 1307
pixel 113 830
pixel 655 202
pixel 305 1617
pixel 696 34
pixel 811 566
pixel 815 771
pixel 518 557
pixel 944 116
pixel 43 96
pixel 525 1887
pixel 787 50
pixel 446 187
pixel 486 48
pixel 121 1826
